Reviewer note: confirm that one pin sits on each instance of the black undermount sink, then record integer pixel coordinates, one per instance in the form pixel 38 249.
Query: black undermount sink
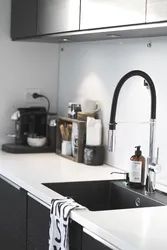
pixel 107 195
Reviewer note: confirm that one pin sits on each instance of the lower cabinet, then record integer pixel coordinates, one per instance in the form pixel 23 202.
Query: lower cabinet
pixel 75 236
pixel 89 243
pixel 12 216
pixel 24 221
pixel 38 218
pixel 37 225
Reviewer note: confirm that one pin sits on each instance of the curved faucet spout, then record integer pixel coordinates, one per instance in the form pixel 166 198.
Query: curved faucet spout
pixel 150 187
pixel 112 125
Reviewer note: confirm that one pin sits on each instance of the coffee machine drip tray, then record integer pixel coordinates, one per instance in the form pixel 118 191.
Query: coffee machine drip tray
pixel 25 149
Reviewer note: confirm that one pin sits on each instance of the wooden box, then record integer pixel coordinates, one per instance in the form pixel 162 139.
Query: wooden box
pixel 81 126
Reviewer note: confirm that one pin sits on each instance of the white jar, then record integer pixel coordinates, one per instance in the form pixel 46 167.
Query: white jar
pixel 93 132
pixel 66 148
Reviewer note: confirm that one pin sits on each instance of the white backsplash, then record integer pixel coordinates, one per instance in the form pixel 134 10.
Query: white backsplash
pixel 92 70
pixel 23 66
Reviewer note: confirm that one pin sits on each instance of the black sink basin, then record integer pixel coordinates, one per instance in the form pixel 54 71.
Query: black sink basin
pixel 107 195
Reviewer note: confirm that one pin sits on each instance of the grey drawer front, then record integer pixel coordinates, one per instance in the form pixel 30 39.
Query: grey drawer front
pixel 23 18
pixel 107 13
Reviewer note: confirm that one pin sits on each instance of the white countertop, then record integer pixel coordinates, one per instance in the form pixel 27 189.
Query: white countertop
pixel 31 170
pixel 130 229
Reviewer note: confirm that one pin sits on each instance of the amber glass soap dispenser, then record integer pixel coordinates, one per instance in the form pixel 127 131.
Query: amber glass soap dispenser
pixel 137 169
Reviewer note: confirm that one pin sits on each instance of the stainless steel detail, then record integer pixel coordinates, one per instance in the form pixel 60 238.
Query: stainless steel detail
pixel 157 157
pixel 10 182
pixel 151 162
pixel 111 140
pixel 137 202
pixel 153 169
pixel 111 13
pixel 12 135
pixel 52 123
pixel 151 178
pixel 56 16
pixel 151 142
pixel 38 200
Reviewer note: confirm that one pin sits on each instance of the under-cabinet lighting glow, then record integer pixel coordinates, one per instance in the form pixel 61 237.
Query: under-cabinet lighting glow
pixel 113 35
pixel 65 40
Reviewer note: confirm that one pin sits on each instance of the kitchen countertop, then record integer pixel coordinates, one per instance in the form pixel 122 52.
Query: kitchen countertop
pixel 130 229
pixel 29 171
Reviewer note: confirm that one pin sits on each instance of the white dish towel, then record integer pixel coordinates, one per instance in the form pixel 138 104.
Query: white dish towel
pixel 59 220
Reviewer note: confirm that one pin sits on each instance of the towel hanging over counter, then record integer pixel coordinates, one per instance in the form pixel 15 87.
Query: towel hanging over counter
pixel 59 221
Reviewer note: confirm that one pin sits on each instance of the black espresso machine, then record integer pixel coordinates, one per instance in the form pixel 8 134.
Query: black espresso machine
pixel 33 122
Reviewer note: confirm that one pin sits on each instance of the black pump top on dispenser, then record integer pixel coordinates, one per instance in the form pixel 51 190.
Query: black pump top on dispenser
pixel 138 152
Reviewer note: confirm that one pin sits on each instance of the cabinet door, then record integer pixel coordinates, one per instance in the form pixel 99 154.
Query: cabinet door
pixel 156 10
pixel 38 228
pixel 56 16
pixel 37 225
pixel 23 18
pixel 107 13
pixel 89 243
pixel 12 216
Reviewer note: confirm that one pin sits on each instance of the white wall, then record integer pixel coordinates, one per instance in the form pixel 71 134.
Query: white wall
pixel 92 70
pixel 23 65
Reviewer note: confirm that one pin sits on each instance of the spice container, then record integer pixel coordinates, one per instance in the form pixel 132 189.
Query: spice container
pixel 66 148
pixel 73 109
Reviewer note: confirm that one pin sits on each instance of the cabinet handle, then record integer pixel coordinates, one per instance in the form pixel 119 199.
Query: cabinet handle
pixel 39 201
pixel 94 236
pixel 10 182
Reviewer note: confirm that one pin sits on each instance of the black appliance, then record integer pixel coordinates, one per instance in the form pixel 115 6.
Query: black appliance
pixel 33 121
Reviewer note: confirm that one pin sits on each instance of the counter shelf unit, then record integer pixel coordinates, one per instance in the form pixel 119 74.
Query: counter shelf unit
pixel 81 137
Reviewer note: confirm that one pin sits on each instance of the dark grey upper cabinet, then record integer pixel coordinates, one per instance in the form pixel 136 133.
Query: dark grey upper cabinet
pixel 156 11
pixel 56 16
pixel 108 13
pixel 23 18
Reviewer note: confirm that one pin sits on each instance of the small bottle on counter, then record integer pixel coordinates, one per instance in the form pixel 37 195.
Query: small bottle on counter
pixel 73 109
pixel 137 169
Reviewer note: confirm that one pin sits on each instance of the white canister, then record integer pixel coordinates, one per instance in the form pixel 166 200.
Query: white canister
pixel 66 148
pixel 93 132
